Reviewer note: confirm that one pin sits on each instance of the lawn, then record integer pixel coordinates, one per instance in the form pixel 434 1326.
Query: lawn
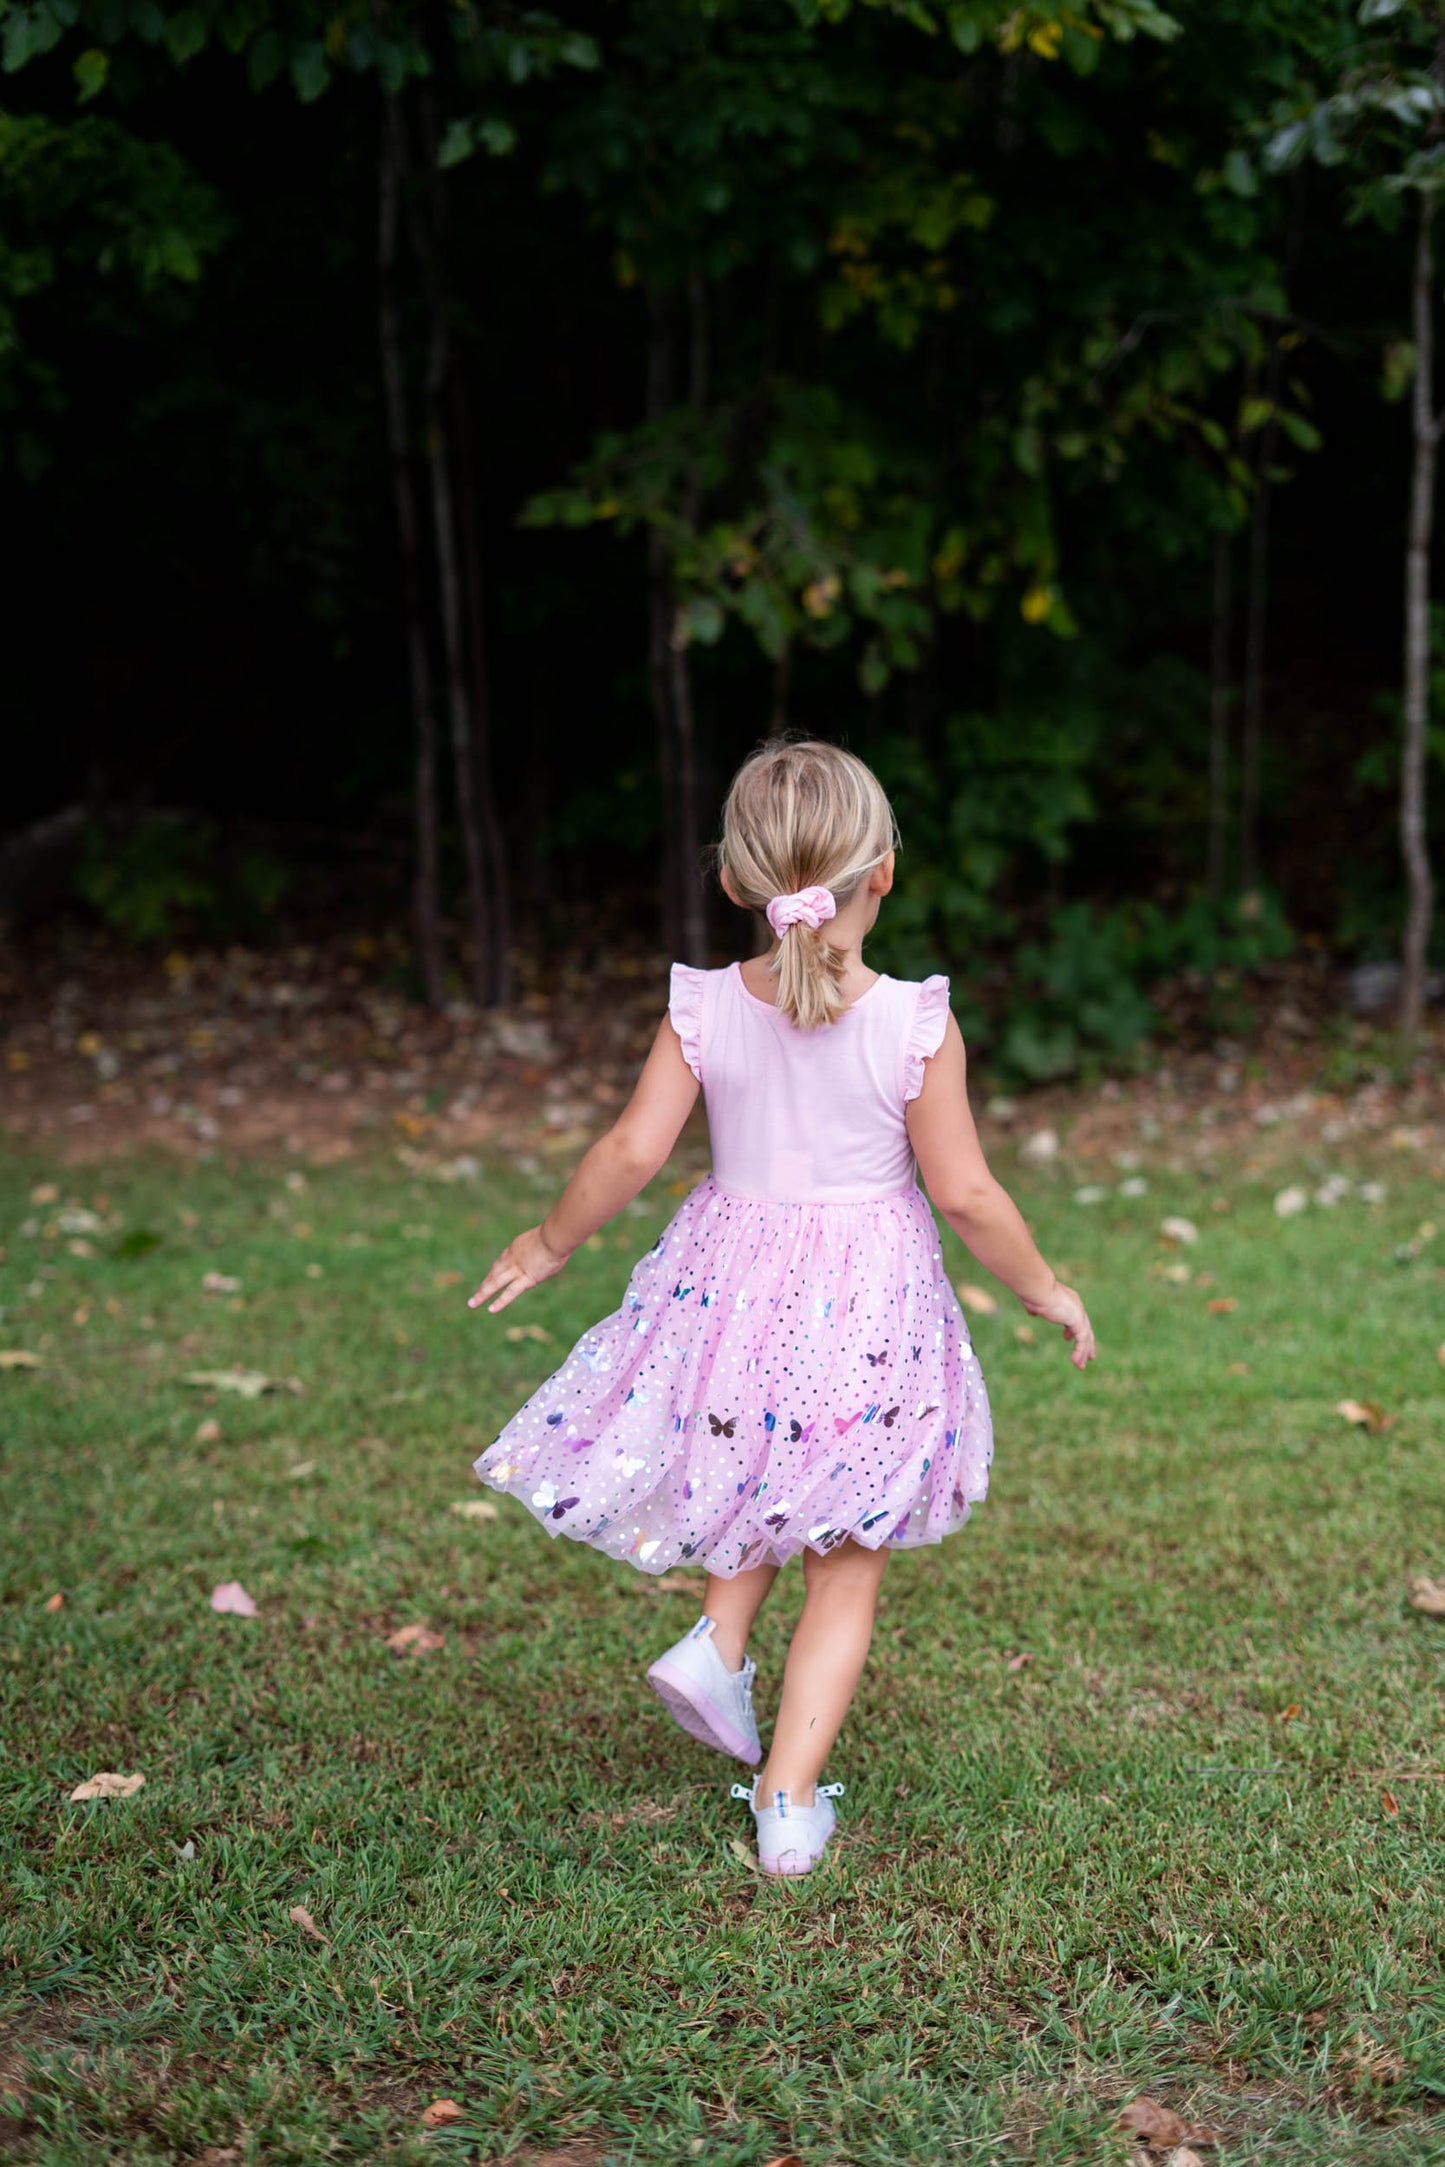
pixel 1146 1792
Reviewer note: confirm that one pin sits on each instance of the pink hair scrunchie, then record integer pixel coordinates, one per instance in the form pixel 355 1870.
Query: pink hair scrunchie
pixel 810 907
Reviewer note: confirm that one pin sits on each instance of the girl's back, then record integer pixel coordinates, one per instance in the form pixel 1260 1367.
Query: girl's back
pixel 808 1117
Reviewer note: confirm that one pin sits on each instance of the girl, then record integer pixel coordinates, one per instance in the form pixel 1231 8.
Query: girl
pixel 789 1370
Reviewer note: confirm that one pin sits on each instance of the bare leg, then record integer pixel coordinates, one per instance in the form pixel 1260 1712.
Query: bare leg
pixel 825 1661
pixel 733 1605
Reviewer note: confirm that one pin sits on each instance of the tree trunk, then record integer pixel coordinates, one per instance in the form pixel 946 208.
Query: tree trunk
pixel 427 231
pixel 1255 627
pixel 661 380
pixel 426 901
pixel 692 903
pixel 493 837
pixel 1220 700
pixel 1418 885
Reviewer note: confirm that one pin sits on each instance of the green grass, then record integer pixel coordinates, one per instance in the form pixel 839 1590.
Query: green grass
pixel 1125 1866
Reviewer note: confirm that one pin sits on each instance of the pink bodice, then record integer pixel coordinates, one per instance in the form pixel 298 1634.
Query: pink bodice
pixel 808 1117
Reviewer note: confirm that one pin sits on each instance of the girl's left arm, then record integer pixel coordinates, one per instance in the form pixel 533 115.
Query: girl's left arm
pixel 611 1173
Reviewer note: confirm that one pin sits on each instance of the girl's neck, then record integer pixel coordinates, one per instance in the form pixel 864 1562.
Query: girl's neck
pixel 846 934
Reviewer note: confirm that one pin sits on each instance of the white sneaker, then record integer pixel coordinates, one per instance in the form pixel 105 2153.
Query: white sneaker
pixel 792 1839
pixel 705 1698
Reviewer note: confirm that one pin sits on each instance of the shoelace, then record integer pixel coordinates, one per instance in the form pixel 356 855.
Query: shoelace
pixel 820 1790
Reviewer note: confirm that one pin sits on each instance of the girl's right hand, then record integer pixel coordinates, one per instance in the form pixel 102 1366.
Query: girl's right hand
pixel 523 1264
pixel 1062 1306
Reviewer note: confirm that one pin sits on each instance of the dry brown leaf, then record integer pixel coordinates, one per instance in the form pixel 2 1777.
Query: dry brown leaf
pixel 1389 1801
pixel 208 1432
pixel 54 1602
pixel 1222 1305
pixel 680 1584
pixel 474 1508
pixel 1366 1414
pixel 440 2112
pixel 1024 1334
pixel 1237 1369
pixel 514 1332
pixel 1288 1715
pixel 1017 1662
pixel 1440 1354
pixel 1428 1596
pixel 300 1916
pixel 740 1851
pixel 19 1358
pixel 1185 2156
pixel 106 1785
pixel 418 1639
pixel 1156 2125
pixel 976 1298
pixel 784 2159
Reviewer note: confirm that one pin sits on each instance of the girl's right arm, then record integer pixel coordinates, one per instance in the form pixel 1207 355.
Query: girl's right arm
pixel 610 1174
pixel 978 1208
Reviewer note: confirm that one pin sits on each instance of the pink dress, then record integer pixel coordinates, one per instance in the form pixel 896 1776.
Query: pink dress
pixel 790 1365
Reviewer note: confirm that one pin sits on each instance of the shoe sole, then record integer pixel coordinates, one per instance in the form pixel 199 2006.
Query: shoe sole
pixel 692 1713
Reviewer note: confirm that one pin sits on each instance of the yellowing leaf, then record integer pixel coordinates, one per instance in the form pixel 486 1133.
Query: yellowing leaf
pixel 106 1785
pixel 250 1383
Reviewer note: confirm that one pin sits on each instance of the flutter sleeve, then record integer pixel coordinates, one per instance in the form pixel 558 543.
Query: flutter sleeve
pixel 684 1006
pixel 925 1036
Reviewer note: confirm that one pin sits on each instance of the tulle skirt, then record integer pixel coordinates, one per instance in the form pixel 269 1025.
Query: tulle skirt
pixel 779 1376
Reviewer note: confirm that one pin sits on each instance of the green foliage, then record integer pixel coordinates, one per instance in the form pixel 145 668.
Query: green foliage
pixel 168 871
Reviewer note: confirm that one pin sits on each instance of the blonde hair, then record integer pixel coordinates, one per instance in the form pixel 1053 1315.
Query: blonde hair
pixel 804 814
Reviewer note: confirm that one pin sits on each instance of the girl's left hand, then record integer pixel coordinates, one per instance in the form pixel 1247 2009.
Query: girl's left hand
pixel 523 1264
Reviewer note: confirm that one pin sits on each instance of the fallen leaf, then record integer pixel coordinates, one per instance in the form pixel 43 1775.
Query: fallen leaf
pixel 784 2159
pixel 106 1785
pixel 1288 1715
pixel 976 1298
pixel 740 1851
pixel 528 1331
pixel 1440 1354
pixel 220 1283
pixel 1017 1662
pixel 1366 1414
pixel 19 1358
pixel 300 1469
pixel 1160 2127
pixel 419 1638
pixel 1024 1334
pixel 250 1383
pixel 1237 1369
pixel 1178 1230
pixel 54 1602
pixel 231 1600
pixel 680 1584
pixel 1222 1305
pixel 44 1192
pixel 474 1508
pixel 1389 1801
pixel 300 1916
pixel 440 2112
pixel 446 1279
pixel 1428 1596
pixel 186 1850
pixel 1184 2155
pixel 1290 1202
pixel 208 1432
